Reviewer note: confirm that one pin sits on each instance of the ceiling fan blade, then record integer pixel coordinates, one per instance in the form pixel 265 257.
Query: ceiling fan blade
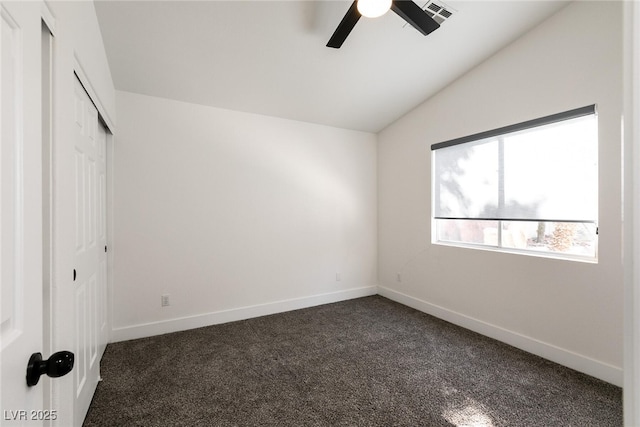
pixel 344 28
pixel 414 15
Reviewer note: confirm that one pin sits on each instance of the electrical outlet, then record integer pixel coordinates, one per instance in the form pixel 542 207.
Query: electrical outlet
pixel 398 277
pixel 164 300
pixel 338 278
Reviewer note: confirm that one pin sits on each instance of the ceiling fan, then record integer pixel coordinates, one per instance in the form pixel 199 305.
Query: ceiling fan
pixel 407 9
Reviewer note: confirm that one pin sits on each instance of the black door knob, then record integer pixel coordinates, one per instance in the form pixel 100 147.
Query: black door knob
pixel 59 364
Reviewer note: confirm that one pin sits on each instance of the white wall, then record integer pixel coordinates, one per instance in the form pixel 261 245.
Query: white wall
pixel 235 215
pixel 570 312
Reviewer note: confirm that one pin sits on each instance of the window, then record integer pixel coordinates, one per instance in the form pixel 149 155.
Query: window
pixel 529 187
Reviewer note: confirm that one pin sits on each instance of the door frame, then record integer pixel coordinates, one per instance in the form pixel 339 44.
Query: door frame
pixel 48 194
pixel 631 223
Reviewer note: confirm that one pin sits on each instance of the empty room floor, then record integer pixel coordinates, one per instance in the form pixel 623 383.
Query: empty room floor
pixel 367 361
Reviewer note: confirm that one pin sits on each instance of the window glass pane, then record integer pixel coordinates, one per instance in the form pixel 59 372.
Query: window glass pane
pixel 466 178
pixel 567 238
pixel 572 238
pixel 551 172
pixel 468 231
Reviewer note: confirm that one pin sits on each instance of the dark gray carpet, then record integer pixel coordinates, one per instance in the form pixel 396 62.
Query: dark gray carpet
pixel 364 362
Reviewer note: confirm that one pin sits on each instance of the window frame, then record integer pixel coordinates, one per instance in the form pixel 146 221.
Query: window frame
pixel 499 134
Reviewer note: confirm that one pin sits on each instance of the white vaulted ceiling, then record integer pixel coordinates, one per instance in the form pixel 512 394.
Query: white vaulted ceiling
pixel 269 57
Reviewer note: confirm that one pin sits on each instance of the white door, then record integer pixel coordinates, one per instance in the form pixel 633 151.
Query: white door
pixel 86 298
pixel 20 211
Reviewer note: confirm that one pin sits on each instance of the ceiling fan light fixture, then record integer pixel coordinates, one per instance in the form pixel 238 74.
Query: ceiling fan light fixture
pixel 373 8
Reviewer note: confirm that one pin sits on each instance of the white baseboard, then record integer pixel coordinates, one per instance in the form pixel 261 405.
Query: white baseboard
pixel 600 370
pixel 231 315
